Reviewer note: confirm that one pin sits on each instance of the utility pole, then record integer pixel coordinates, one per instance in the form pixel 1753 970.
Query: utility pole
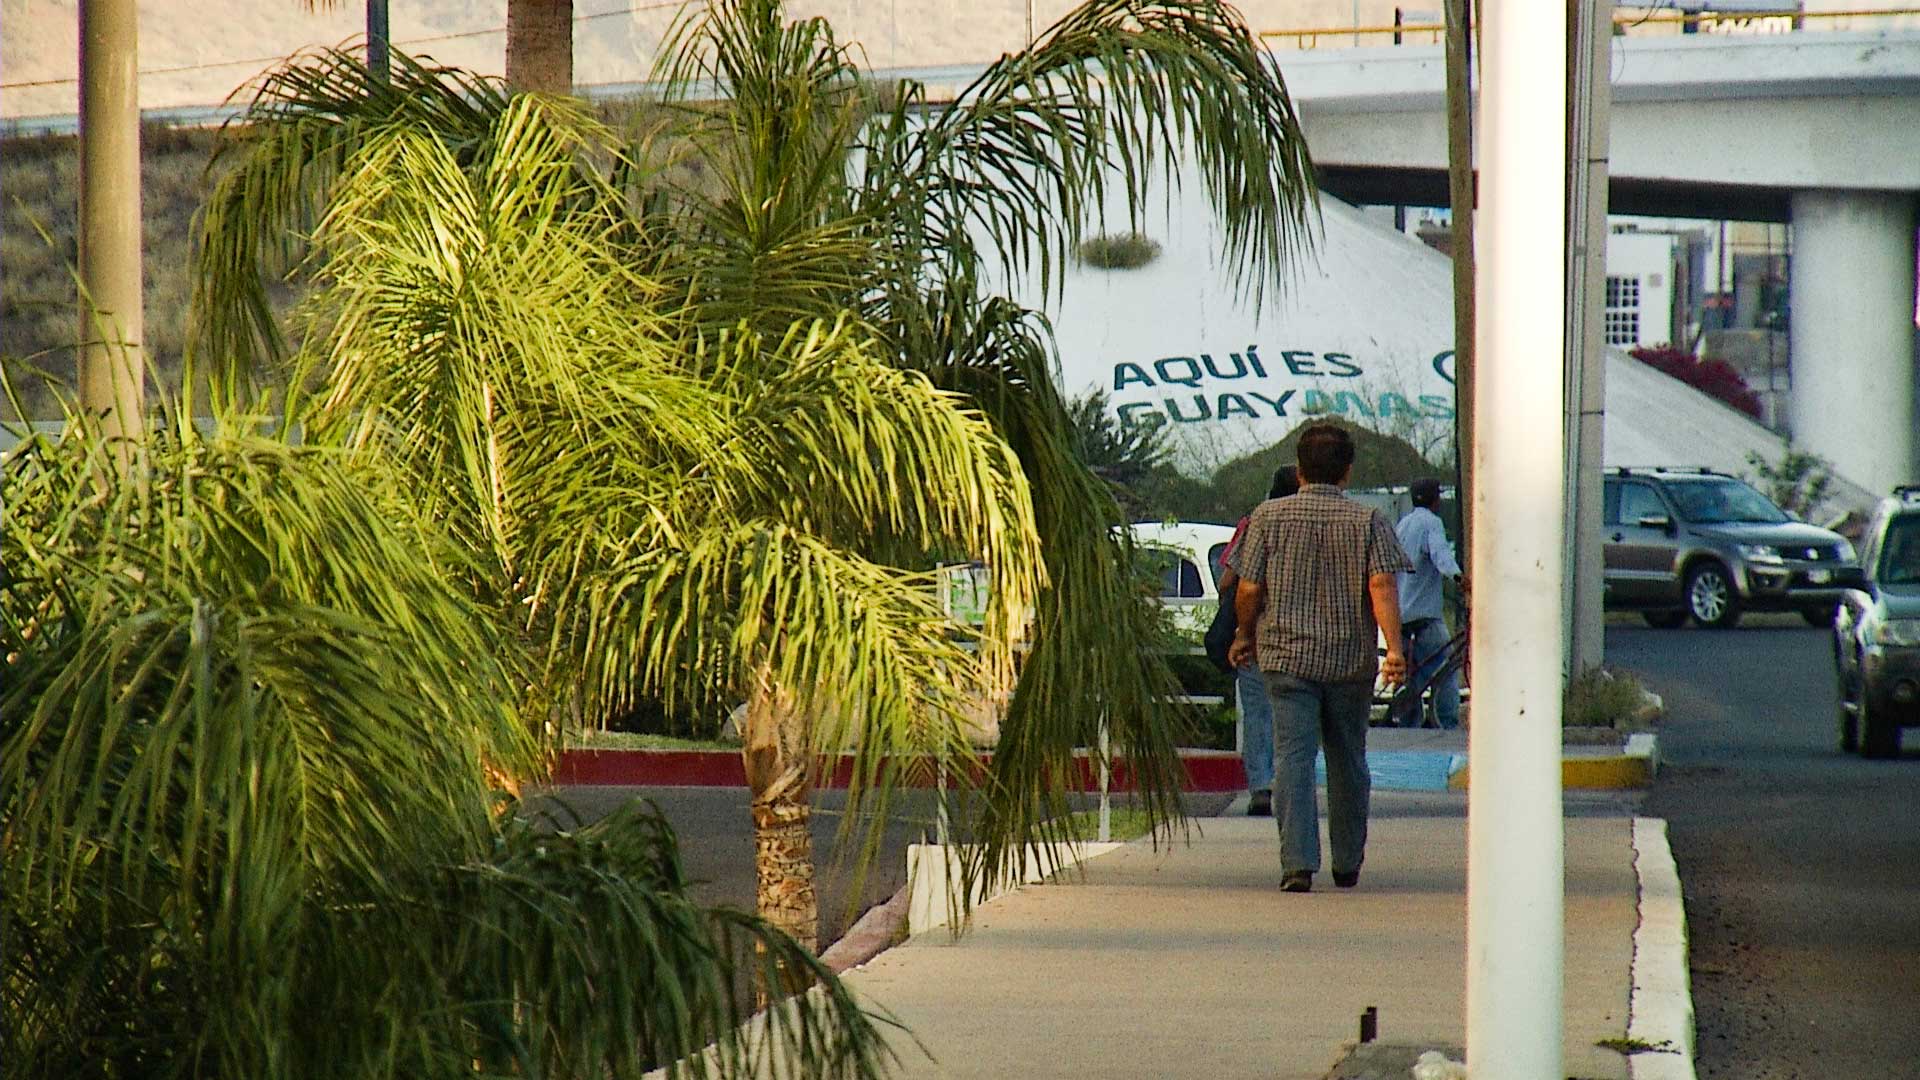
pixel 1460 195
pixel 1589 60
pixel 379 40
pixel 111 366
pixel 1515 833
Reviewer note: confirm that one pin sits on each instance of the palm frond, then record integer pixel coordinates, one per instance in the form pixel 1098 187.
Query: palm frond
pixel 589 957
pixel 307 118
pixel 779 241
pixel 238 683
pixel 1095 659
pixel 1135 86
pixel 244 812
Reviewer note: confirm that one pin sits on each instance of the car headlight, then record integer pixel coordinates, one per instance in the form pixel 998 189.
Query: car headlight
pixel 1901 632
pixel 1760 553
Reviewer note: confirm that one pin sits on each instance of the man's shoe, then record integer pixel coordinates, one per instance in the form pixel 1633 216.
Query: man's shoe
pixel 1260 805
pixel 1296 881
pixel 1346 879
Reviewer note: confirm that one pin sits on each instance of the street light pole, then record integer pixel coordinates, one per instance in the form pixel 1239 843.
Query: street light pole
pixel 1515 832
pixel 111 368
pixel 1460 199
pixel 1590 58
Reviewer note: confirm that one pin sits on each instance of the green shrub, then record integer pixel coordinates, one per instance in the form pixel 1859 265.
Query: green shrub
pixel 1801 484
pixel 1119 251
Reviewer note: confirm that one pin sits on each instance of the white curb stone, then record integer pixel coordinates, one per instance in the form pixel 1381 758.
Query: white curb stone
pixel 1661 1010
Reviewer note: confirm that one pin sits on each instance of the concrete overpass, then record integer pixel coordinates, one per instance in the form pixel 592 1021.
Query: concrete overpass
pixel 1818 129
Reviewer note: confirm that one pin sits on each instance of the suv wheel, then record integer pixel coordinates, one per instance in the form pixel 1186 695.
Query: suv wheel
pixel 1665 620
pixel 1710 597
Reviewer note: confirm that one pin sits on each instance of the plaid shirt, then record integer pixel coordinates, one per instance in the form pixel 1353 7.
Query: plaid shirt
pixel 1314 552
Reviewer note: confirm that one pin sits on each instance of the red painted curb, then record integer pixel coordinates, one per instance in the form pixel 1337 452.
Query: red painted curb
pixel 1207 770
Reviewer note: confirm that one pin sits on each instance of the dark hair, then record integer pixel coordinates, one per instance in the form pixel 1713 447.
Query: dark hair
pixel 1286 481
pixel 1425 492
pixel 1325 454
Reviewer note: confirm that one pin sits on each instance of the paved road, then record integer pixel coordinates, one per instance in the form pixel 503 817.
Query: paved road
pixel 1801 865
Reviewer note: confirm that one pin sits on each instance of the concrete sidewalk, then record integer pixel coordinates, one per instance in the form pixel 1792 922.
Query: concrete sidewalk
pixel 1189 961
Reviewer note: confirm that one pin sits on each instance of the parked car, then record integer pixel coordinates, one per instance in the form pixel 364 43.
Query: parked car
pixel 1876 634
pixel 1694 543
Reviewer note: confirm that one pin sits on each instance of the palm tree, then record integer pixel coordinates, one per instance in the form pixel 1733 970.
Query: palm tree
pixel 540 46
pixel 822 192
pixel 245 824
pixel 666 510
pixel 828 218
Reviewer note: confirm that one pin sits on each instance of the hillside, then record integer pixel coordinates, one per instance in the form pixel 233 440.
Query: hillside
pixel 39 319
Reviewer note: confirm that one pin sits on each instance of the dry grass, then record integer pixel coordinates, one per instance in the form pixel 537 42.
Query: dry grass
pixel 1603 698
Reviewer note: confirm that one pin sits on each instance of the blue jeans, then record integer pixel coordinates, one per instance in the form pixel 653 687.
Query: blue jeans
pixel 1426 650
pixel 1308 714
pixel 1256 727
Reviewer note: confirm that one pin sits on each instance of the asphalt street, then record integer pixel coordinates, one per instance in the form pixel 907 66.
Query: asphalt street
pixel 1801 865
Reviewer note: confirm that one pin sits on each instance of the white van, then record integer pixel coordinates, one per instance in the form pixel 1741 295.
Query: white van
pixel 1186 555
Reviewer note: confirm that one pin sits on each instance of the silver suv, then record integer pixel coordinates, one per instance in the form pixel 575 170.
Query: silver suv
pixel 1876 639
pixel 1694 543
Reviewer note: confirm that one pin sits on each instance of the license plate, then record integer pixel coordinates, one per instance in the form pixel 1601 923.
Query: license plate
pixel 1819 577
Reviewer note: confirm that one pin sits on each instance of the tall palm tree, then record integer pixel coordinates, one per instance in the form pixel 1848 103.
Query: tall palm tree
pixel 667 508
pixel 821 191
pixel 245 824
pixel 827 217
pixel 540 46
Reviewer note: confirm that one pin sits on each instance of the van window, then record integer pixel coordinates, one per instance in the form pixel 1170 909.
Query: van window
pixel 1190 585
pixel 1217 560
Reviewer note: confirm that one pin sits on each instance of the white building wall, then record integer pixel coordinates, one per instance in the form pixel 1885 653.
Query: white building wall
pixel 1639 304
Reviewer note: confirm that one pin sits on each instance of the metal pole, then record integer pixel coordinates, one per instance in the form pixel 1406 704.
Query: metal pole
pixel 1515 863
pixel 1591 58
pixel 1460 196
pixel 378 39
pixel 1106 784
pixel 111 367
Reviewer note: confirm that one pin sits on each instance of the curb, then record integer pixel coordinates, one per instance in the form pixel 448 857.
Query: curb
pixel 934 878
pixel 1660 1011
pixel 1634 767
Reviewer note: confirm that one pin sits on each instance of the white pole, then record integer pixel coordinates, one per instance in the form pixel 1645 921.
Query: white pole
pixel 1515 888
pixel 1106 783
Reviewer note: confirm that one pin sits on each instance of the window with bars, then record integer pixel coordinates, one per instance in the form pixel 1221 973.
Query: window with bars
pixel 1622 322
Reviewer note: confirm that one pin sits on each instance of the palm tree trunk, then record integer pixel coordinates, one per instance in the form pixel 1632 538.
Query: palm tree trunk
pixel 540 45
pixel 778 764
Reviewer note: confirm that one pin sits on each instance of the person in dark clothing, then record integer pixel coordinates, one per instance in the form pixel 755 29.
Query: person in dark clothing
pixel 1249 686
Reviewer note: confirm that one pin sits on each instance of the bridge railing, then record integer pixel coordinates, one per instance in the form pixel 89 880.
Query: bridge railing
pixel 1647 22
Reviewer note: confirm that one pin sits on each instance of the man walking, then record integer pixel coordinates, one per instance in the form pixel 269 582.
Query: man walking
pixel 1318 587
pixel 1425 541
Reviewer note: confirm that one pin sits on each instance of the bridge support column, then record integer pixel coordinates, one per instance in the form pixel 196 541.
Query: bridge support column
pixel 1852 334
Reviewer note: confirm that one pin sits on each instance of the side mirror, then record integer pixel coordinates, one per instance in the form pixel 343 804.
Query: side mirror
pixel 1656 521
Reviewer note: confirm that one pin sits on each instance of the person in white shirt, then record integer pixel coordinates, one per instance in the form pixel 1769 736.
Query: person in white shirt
pixel 1425 541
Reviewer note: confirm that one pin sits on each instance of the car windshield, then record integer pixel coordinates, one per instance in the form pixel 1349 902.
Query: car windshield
pixel 1900 558
pixel 1722 500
